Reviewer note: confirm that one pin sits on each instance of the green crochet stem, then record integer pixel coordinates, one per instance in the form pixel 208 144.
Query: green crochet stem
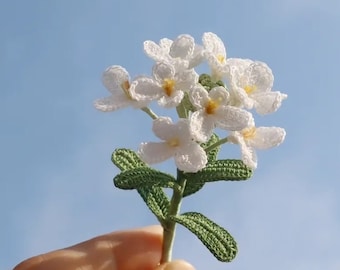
pixel 149 112
pixel 216 144
pixel 169 226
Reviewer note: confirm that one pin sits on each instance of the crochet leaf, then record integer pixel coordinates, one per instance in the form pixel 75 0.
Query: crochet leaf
pixel 219 242
pixel 126 159
pixel 156 200
pixel 143 177
pixel 153 195
pixel 226 169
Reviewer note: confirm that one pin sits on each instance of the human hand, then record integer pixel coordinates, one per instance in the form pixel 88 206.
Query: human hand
pixel 123 250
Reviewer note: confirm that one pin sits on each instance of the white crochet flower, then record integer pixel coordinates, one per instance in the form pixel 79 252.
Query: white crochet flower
pixel 213 111
pixel 177 142
pixel 216 55
pixel 251 86
pixel 182 52
pixel 166 86
pixel 253 138
pixel 116 80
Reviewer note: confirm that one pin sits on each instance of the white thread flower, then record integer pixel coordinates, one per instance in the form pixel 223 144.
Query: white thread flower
pixel 117 81
pixel 177 142
pixel 216 55
pixel 252 138
pixel 166 86
pixel 213 111
pixel 251 86
pixel 182 52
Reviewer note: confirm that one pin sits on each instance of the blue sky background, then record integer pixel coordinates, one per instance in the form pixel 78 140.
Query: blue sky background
pixel 56 174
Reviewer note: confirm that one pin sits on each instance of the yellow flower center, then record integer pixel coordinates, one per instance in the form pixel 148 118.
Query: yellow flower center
pixel 249 133
pixel 249 89
pixel 168 86
pixel 220 58
pixel 126 86
pixel 212 105
pixel 173 142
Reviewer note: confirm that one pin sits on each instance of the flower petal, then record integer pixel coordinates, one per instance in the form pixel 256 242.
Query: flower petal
pixel 198 96
pixel 162 70
pixel 184 133
pixel 214 44
pixel 219 93
pixel 112 103
pixel 201 126
pixel 164 128
pixel 247 152
pixel 267 137
pixel 155 152
pixel 165 44
pixel 186 80
pixel 154 51
pixel 249 156
pixel 191 158
pixel 145 89
pixel 173 101
pixel 197 58
pixel 260 75
pixel 268 102
pixel 114 77
pixel 233 118
pixel 241 98
pixel 236 68
pixel 182 47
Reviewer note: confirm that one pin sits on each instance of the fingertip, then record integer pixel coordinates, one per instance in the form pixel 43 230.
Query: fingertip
pixel 176 265
pixel 157 229
pixel 138 248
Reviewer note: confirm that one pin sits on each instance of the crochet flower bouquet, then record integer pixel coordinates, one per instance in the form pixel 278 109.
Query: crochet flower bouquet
pixel 204 103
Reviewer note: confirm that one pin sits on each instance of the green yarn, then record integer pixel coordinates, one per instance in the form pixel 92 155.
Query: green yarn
pixel 206 81
pixel 212 154
pixel 126 159
pixel 157 202
pixel 219 242
pixel 143 177
pixel 149 183
pixel 225 169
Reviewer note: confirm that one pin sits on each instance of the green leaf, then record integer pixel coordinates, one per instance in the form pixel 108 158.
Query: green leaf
pixel 219 242
pixel 132 176
pixel 220 83
pixel 226 169
pixel 212 154
pixel 191 185
pixel 187 103
pixel 143 177
pixel 156 200
pixel 126 159
pixel 206 81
